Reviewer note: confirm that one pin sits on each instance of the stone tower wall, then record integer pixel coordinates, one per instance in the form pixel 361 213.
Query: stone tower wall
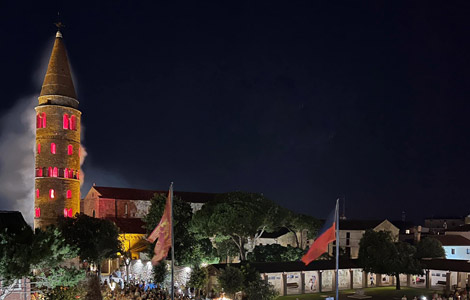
pixel 54 132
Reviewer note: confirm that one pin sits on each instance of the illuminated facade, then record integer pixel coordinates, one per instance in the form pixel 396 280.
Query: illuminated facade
pixel 57 153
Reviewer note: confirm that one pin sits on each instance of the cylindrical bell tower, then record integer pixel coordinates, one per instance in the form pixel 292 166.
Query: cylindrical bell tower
pixel 57 173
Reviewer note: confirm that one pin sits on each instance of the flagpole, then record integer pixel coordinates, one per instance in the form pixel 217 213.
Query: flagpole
pixel 172 247
pixel 337 248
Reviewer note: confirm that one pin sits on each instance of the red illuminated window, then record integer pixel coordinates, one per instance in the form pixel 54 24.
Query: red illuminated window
pixel 68 213
pixel 39 148
pixel 49 172
pixel 40 172
pixel 73 123
pixel 70 173
pixel 37 193
pixel 69 194
pixel 78 174
pixel 53 148
pixel 51 194
pixel 66 173
pixel 43 120
pixel 55 172
pixel 69 150
pixel 66 121
pixel 37 212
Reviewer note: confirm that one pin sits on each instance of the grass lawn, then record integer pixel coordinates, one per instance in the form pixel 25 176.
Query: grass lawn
pixel 377 293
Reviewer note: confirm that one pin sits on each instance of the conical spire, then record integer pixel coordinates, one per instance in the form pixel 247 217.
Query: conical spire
pixel 58 80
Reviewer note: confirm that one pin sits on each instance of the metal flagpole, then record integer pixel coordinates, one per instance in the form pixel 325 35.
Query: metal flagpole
pixel 337 247
pixel 172 247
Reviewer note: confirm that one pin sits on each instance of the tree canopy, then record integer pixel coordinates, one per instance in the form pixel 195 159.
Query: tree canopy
pixel 430 248
pixel 96 239
pixel 275 253
pixel 378 253
pixel 239 216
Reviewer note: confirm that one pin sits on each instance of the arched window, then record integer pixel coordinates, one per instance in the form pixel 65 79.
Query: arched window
pixel 66 173
pixel 53 148
pixel 38 121
pixel 93 213
pixel 70 213
pixel 55 172
pixel 73 122
pixel 37 212
pixel 43 120
pixel 70 173
pixel 49 172
pixel 69 194
pixel 78 174
pixel 65 213
pixel 39 148
pixel 125 209
pixel 51 194
pixel 37 193
pixel 69 149
pixel 66 121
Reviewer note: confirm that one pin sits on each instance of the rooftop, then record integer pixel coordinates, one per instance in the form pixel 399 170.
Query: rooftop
pixel 451 240
pixel 138 194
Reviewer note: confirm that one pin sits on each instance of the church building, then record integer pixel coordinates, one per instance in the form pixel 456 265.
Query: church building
pixel 57 157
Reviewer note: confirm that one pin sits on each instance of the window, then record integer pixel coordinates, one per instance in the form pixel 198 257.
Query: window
pixel 452 251
pixel 69 194
pixel 78 174
pixel 41 120
pixel 73 123
pixel 125 209
pixel 37 212
pixel 66 121
pixel 93 213
pixel 66 173
pixel 68 213
pixel 69 149
pixel 49 172
pixel 55 172
pixel 39 172
pixel 39 148
pixel 51 194
pixel 468 251
pixel 70 173
pixel 37 193
pixel 53 148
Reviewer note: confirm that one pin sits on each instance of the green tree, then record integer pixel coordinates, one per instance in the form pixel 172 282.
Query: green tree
pixel 378 253
pixel 239 216
pixel 190 249
pixel 430 248
pixel 275 253
pixel 199 278
pixel 260 290
pixel 297 223
pixel 96 239
pixel 231 280
pixel 159 272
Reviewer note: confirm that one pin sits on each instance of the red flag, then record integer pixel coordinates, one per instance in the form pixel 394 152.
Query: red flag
pixel 325 236
pixel 162 232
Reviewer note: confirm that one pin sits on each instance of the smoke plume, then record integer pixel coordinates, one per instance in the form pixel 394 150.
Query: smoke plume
pixel 17 140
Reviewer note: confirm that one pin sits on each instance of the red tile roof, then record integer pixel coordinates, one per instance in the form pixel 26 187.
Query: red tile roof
pixel 451 240
pixel 129 225
pixel 137 194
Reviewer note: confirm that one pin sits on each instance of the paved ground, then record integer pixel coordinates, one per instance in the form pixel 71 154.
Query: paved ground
pixel 382 293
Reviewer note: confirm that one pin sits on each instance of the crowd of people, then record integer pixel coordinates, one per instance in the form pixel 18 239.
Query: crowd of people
pixel 145 291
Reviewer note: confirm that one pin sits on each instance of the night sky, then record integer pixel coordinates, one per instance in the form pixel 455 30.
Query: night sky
pixel 304 101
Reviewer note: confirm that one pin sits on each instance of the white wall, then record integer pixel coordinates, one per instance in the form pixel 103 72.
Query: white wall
pixel 461 252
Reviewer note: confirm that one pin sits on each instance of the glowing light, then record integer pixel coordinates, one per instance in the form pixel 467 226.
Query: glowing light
pixel 51 194
pixel 69 150
pixel 43 120
pixel 37 212
pixel 55 172
pixel 53 148
pixel 73 123
pixel 70 213
pixel 65 212
pixel 66 173
pixel 49 172
pixel 69 194
pixel 37 193
pixel 66 121
pixel 187 269
pixel 39 148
